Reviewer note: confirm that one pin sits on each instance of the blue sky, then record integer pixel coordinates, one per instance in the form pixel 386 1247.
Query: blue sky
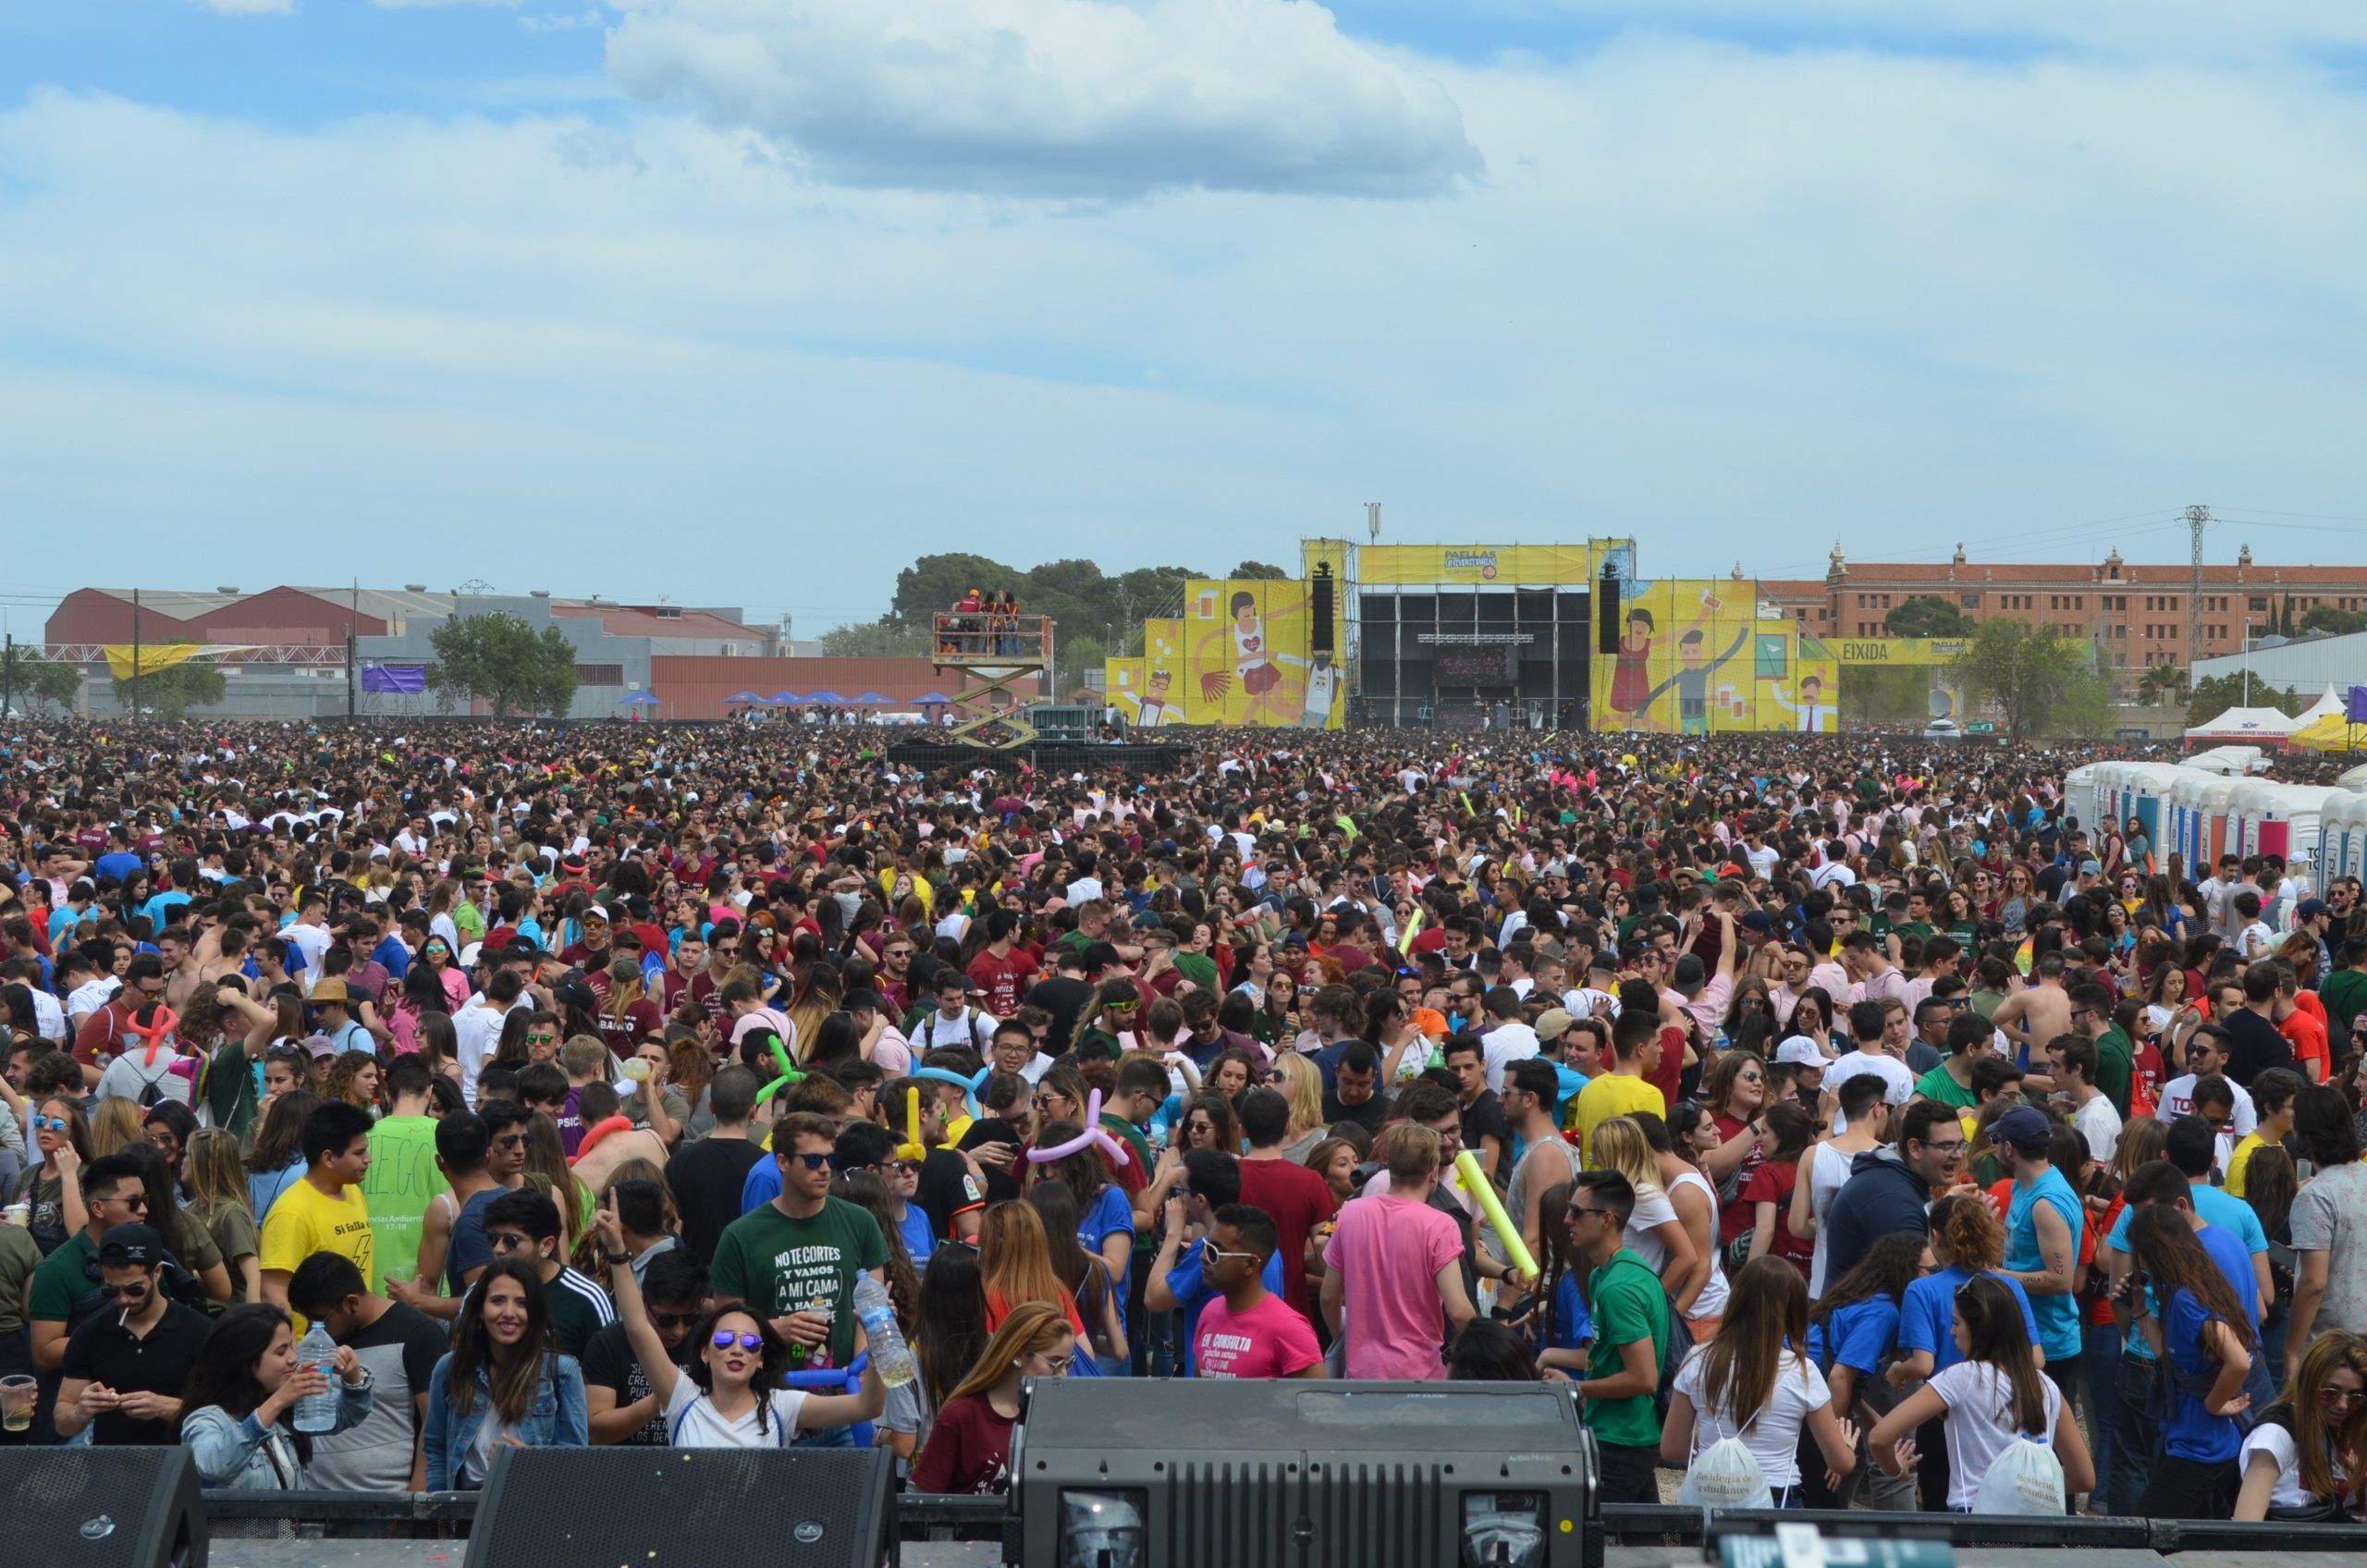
pixel 751 300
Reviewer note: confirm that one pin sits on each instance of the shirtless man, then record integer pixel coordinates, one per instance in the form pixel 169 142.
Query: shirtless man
pixel 2032 1017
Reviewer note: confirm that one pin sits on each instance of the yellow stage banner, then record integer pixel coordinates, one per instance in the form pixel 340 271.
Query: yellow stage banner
pixel 1897 650
pixel 1695 659
pixel 1533 565
pixel 1246 658
pixel 153 658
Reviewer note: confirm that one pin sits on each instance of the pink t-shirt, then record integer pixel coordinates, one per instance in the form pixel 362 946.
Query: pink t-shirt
pixel 1267 1341
pixel 1388 1252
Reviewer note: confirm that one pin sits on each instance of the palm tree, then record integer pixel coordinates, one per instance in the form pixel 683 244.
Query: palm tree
pixel 2162 683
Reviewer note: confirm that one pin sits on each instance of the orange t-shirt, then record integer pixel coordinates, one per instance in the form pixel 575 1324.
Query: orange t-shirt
pixel 2308 1036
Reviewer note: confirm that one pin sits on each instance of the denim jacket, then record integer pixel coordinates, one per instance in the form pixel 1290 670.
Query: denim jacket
pixel 237 1453
pixel 555 1417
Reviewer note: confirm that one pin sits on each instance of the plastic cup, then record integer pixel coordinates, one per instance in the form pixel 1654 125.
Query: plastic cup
pixel 16 1404
pixel 16 1214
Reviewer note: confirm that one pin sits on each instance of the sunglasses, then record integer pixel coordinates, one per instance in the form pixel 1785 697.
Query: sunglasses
pixel 49 1124
pixel 675 1319
pixel 1122 1007
pixel 514 1141
pixel 1212 1253
pixel 136 1291
pixel 130 1200
pixel 723 1338
pixel 811 1161
pixel 505 1241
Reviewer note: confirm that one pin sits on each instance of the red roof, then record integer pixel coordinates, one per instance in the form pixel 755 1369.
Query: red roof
pixel 634 620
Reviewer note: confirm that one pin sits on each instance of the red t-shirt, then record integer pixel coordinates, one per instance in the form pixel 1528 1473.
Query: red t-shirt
pixel 1003 979
pixel 1297 1200
pixel 1672 1066
pixel 1772 1183
pixel 1269 1339
pixel 623 1032
pixel 968 1449
pixel 2308 1036
pixel 1736 1217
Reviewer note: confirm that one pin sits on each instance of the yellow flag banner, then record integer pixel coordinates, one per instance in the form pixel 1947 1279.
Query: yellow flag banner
pixel 128 662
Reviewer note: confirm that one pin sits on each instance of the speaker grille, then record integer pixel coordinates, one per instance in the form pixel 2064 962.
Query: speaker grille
pixel 1375 1515
pixel 1233 1513
pixel 696 1508
pixel 101 1507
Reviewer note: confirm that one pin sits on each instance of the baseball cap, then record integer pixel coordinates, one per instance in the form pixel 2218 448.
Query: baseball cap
pixel 131 1246
pixel 1554 1023
pixel 1756 920
pixel 1690 974
pixel 2310 909
pixel 318 1046
pixel 2024 1127
pixel 1801 1050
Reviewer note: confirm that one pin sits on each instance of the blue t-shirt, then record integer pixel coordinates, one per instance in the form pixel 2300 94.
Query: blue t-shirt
pixel 392 956
pixel 1111 1211
pixel 1863 1333
pixel 264 1190
pixel 1193 1295
pixel 920 1237
pixel 121 864
pixel 2231 1233
pixel 1572 1325
pixel 2190 1431
pixel 469 1250
pixel 2216 1207
pixel 158 911
pixel 2057 1315
pixel 1927 1317
pixel 762 1185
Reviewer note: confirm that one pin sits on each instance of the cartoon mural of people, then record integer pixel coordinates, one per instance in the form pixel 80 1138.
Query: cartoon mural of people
pixel 1692 684
pixel 1274 698
pixel 1630 685
pixel 1322 692
pixel 1153 711
pixel 1813 712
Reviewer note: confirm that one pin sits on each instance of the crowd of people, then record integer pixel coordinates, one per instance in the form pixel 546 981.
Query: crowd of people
pixel 1846 1117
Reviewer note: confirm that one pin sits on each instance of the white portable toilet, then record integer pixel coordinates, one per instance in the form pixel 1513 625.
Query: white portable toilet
pixel 2079 793
pixel 2342 844
pixel 2209 829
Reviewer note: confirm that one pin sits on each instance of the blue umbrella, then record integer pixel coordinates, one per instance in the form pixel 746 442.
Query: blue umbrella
pixel 870 699
pixel 742 697
pixel 828 699
pixel 782 699
pixel 642 699
pixel 939 698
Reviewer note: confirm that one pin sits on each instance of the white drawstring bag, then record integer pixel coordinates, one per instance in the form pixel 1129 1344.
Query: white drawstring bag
pixel 1725 1475
pixel 2025 1479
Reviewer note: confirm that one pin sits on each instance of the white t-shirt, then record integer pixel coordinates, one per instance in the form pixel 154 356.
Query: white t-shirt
pixel 1508 1042
pixel 1773 1436
pixel 692 1421
pixel 1828 1169
pixel 2099 1124
pixel 2277 1443
pixel 1980 1422
pixel 1899 1082
pixel 2254 941
pixel 2177 1099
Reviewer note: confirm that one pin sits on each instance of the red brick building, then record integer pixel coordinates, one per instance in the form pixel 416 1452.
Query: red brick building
pixel 2139 612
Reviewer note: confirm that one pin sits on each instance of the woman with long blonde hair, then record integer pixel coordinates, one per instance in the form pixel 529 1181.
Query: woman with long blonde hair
pixel 969 1447
pixel 216 1174
pixel 1301 1083
pixel 1015 1264
pixel 1654 1231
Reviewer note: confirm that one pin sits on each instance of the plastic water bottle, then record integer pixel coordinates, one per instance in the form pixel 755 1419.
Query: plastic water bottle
pixel 889 1355
pixel 317 1413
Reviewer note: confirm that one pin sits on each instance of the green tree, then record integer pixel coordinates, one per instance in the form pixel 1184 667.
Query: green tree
pixel 2216 694
pixel 32 681
pixel 2045 684
pixel 169 693
pixel 498 658
pixel 1926 616
pixel 2285 617
pixel 1259 571
pixel 2330 619
pixel 883 639
pixel 1078 656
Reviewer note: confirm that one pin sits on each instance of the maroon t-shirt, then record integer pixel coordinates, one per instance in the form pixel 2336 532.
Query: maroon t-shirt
pixel 1003 979
pixel 1297 1200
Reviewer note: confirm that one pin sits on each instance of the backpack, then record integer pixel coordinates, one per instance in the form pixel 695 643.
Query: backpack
pixel 1726 1474
pixel 2026 1477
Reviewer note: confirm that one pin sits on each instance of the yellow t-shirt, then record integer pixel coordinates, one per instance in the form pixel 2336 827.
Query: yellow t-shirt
pixel 2240 1162
pixel 304 1221
pixel 1612 1094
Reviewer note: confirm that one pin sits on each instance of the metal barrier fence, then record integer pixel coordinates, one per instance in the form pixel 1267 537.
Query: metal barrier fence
pixel 924 1517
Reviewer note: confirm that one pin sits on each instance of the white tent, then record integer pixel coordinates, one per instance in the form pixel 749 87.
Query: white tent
pixel 2329 704
pixel 2246 724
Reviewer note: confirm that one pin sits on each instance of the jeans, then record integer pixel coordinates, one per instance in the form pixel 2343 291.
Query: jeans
pixel 2136 1437
pixel 2103 1400
pixel 826 1436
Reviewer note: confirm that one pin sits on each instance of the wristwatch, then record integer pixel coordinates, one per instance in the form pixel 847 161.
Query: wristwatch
pixel 617 1258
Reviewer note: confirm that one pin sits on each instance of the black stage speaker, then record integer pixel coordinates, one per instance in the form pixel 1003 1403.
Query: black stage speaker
pixel 689 1507
pixel 102 1507
pixel 1606 611
pixel 1322 602
pixel 1291 1473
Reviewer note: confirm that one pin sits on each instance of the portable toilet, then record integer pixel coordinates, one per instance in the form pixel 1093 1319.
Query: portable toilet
pixel 2209 830
pixel 2353 778
pixel 2147 789
pixel 2079 793
pixel 2342 847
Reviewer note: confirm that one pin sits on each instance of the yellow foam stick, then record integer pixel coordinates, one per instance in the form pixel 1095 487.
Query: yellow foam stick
pixel 1467 1167
pixel 914 1149
pixel 1413 929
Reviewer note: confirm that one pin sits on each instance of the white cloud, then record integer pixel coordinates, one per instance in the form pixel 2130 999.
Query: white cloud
pixel 1074 97
pixel 1737 303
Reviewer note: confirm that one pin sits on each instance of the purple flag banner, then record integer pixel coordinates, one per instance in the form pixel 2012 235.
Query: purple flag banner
pixel 400 680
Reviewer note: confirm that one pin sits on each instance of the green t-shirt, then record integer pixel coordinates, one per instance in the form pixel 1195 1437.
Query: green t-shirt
pixel 230 1091
pixel 401 1182
pixel 2345 994
pixel 1937 1085
pixel 779 1265
pixel 61 1281
pixel 1628 1303
pixel 20 1260
pixel 2115 1064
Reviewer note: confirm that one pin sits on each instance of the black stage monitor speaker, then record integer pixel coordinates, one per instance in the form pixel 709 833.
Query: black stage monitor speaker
pixel 1322 602
pixel 1606 611
pixel 1291 1473
pixel 689 1507
pixel 102 1507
